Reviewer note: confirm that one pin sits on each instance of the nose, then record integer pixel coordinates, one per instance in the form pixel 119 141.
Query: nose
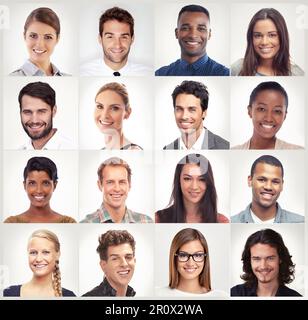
pixel 123 262
pixel 268 116
pixel 39 42
pixel 268 185
pixel 34 117
pixel 117 42
pixel 104 113
pixel 264 39
pixel 185 114
pixel 263 263
pixel 193 32
pixel 194 184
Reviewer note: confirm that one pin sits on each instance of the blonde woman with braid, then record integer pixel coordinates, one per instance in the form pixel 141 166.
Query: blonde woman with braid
pixel 43 257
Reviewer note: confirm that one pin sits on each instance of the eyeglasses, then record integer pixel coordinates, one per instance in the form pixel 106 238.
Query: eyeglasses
pixel 184 256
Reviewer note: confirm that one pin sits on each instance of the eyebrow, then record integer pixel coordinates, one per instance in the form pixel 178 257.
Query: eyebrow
pixel 112 33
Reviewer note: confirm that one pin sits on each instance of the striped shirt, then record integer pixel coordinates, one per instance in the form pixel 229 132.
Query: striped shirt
pixel 101 215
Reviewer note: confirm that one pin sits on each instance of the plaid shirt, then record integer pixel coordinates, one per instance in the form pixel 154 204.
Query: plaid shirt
pixel 101 215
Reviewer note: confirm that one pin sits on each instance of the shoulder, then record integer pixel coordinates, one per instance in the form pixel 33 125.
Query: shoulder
pixel 140 217
pixel 240 217
pixel 222 218
pixel 280 144
pixel 131 146
pixel 236 67
pixel 164 215
pixel 217 69
pixel 219 142
pixel 244 146
pixel 173 145
pixel 68 293
pixel 287 292
pixel 91 217
pixel 239 290
pixel 15 219
pixel 97 291
pixel 18 72
pixel 12 291
pixel 91 68
pixel 291 217
pixel 296 70
pixel 167 70
pixel 138 69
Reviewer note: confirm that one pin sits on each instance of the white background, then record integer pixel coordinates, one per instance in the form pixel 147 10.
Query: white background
pixel 167 49
pixel 140 197
pixel 142 49
pixel 90 272
pixel 138 128
pixel 242 13
pixel 216 120
pixel 15 254
pixel 65 120
pixel 65 197
pixel 64 56
pixel 292 198
pixel 164 173
pixel 293 238
pixel 293 128
pixel 217 237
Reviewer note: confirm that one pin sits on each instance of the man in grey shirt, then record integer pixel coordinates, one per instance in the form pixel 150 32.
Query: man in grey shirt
pixel 266 182
pixel 190 103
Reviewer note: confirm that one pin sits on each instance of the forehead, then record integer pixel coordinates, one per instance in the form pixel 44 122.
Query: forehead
pixel 40 243
pixel 188 17
pixel 261 249
pixel 38 175
pixel 121 249
pixel 109 96
pixel 116 27
pixel 116 172
pixel 41 28
pixel 187 100
pixel 191 169
pixel 192 246
pixel 270 97
pixel 265 169
pixel 33 103
pixel 264 25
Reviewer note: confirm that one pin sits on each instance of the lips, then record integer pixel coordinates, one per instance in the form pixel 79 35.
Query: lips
pixel 190 269
pixel 105 123
pixel 123 273
pixel 266 50
pixel 40 265
pixel 39 51
pixel 267 195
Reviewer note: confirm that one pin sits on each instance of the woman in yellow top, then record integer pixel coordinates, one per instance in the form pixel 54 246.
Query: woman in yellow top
pixel 40 181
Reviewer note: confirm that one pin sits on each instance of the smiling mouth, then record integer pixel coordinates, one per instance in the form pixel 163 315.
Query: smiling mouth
pixel 267 195
pixel 35 126
pixel 40 266
pixel 190 270
pixel 266 50
pixel 192 43
pixel 37 51
pixel 105 123
pixel 123 273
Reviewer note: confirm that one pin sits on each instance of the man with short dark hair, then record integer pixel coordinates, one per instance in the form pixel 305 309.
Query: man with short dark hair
pixel 37 103
pixel 267 266
pixel 266 183
pixel 116 35
pixel 193 32
pixel 190 103
pixel 116 250
pixel 114 181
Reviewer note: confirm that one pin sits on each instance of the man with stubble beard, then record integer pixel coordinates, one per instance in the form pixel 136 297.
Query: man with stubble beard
pixel 37 103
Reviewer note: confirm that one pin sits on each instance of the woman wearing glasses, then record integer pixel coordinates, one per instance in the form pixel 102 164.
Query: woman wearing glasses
pixel 189 266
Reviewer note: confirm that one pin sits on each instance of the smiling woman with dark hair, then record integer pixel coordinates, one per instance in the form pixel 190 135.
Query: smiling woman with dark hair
pixel 194 197
pixel 40 181
pixel 267 52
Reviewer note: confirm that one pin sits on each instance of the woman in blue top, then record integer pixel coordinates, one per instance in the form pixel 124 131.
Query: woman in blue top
pixel 43 257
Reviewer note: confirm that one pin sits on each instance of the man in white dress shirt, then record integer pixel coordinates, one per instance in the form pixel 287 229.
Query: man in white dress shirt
pixel 116 35
pixel 37 103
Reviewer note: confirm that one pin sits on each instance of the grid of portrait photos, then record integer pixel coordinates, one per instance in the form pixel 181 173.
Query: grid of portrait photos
pixel 153 149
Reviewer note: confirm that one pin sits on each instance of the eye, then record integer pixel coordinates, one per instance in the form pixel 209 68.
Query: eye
pixel 278 111
pixel 184 28
pixel 187 179
pixel 48 37
pixel 115 108
pixel 33 35
pixel 46 252
pixel 257 35
pixel 202 29
pixel 27 112
pixel 47 183
pixel 192 109
pixel 273 35
pixel 261 179
pixel 32 253
pixel 261 109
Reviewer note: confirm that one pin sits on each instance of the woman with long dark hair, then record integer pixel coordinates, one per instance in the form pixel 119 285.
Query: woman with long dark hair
pixel 193 197
pixel 267 52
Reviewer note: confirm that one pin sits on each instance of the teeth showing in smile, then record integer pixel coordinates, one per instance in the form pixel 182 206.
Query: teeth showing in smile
pixel 190 270
pixel 39 51
pixel 116 196
pixel 123 273
pixel 265 50
pixel 267 126
pixel 266 195
pixel 192 43
pixel 40 266
pixel 104 123
pixel 39 197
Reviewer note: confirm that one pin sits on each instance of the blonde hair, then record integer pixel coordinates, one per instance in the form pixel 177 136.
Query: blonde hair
pixel 56 275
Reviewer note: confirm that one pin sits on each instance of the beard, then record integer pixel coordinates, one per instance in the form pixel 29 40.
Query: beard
pixel 41 135
pixel 109 57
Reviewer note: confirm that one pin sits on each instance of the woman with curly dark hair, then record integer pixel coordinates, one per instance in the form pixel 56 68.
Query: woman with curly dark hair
pixel 267 266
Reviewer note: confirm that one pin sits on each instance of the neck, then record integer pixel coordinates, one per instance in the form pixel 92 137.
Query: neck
pixel 190 138
pixel 191 59
pixel 191 212
pixel 266 67
pixel 264 213
pixel 116 214
pixel 42 282
pixel 40 143
pixel 45 66
pixel 115 140
pixel 121 290
pixel 115 66
pixel 190 285
pixel 267 289
pixel 257 142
